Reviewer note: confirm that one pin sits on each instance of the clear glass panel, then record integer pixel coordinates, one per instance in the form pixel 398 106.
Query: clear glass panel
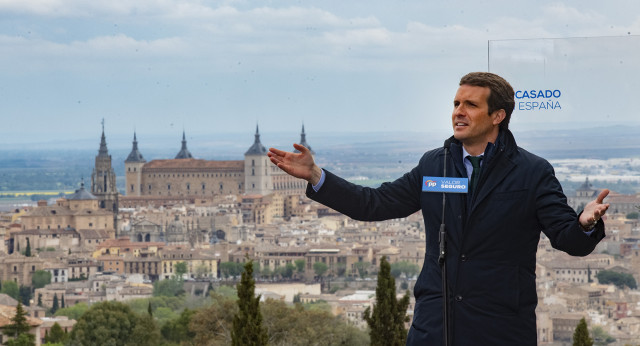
pixel 571 83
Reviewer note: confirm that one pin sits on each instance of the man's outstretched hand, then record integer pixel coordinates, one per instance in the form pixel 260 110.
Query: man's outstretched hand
pixel 593 211
pixel 298 165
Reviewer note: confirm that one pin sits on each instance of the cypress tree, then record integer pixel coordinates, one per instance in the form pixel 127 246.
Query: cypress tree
pixel 247 323
pixel 386 321
pixel 57 335
pixel 55 306
pixel 581 335
pixel 62 301
pixel 18 324
pixel 27 251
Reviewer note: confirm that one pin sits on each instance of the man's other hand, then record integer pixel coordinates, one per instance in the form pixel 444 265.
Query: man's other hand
pixel 593 211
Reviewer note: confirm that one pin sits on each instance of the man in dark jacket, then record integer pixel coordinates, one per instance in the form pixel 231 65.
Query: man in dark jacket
pixel 492 230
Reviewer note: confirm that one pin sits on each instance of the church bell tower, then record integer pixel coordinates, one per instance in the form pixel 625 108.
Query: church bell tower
pixel 103 180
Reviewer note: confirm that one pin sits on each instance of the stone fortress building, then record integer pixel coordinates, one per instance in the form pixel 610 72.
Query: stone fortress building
pixel 185 176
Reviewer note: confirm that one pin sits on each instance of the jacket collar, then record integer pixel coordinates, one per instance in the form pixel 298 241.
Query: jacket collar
pixel 497 166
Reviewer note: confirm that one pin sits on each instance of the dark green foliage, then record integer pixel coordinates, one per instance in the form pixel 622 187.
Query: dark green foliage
pixel 25 295
pixel 56 305
pixel 362 268
pixel 74 312
pixel 18 323
pixel 56 335
pixel 62 301
pixel 180 268
pixel 601 337
pixel 23 340
pixel 212 325
pixel 386 322
pixel 300 265
pixel 619 279
pixel 404 267
pixel 581 335
pixel 247 323
pixel 297 326
pixel 11 289
pixel 169 287
pixel 145 332
pixel 114 323
pixel 40 279
pixel 230 269
pixel 178 330
pixel 320 269
pixel 27 250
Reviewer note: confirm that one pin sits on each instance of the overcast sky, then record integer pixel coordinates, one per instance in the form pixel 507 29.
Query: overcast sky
pixel 211 67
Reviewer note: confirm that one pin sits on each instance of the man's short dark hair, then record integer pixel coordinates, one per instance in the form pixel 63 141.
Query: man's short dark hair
pixel 501 95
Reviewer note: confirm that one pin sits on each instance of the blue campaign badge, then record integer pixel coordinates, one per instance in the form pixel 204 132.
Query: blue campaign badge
pixel 445 184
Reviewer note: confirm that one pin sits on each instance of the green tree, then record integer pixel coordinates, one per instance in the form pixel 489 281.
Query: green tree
pixel 320 268
pixel 113 323
pixel 40 278
pixel 145 332
pixel 386 321
pixel 581 335
pixel 23 340
pixel 213 324
pixel 55 306
pixel 74 312
pixel 11 289
pixel 619 279
pixel 403 267
pixel 180 269
pixel 168 287
pixel 230 269
pixel 27 250
pixel 177 330
pixel 289 269
pixel 56 335
pixel 601 337
pixel 362 268
pixel 300 263
pixel 24 292
pixel 202 271
pixel 19 324
pixel 298 326
pixel 247 323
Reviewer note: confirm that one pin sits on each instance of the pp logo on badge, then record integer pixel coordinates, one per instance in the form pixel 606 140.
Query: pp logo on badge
pixel 445 184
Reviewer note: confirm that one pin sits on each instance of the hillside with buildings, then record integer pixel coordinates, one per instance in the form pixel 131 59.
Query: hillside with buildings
pixel 200 219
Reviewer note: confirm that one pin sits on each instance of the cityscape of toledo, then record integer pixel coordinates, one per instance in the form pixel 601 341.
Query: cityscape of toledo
pixel 160 254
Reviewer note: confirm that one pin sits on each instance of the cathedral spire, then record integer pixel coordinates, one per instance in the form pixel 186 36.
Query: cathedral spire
pixel 103 152
pixel 184 152
pixel 257 148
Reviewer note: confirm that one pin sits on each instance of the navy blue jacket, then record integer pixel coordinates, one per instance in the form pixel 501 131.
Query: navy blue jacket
pixel 492 240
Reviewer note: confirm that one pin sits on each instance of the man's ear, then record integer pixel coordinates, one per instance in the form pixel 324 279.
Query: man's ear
pixel 498 116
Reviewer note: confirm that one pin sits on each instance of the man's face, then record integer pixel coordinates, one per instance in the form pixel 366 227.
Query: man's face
pixel 472 124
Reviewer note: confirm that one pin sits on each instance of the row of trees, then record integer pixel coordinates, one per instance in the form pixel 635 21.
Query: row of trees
pixel 320 269
pixel 235 317
pixel 621 280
